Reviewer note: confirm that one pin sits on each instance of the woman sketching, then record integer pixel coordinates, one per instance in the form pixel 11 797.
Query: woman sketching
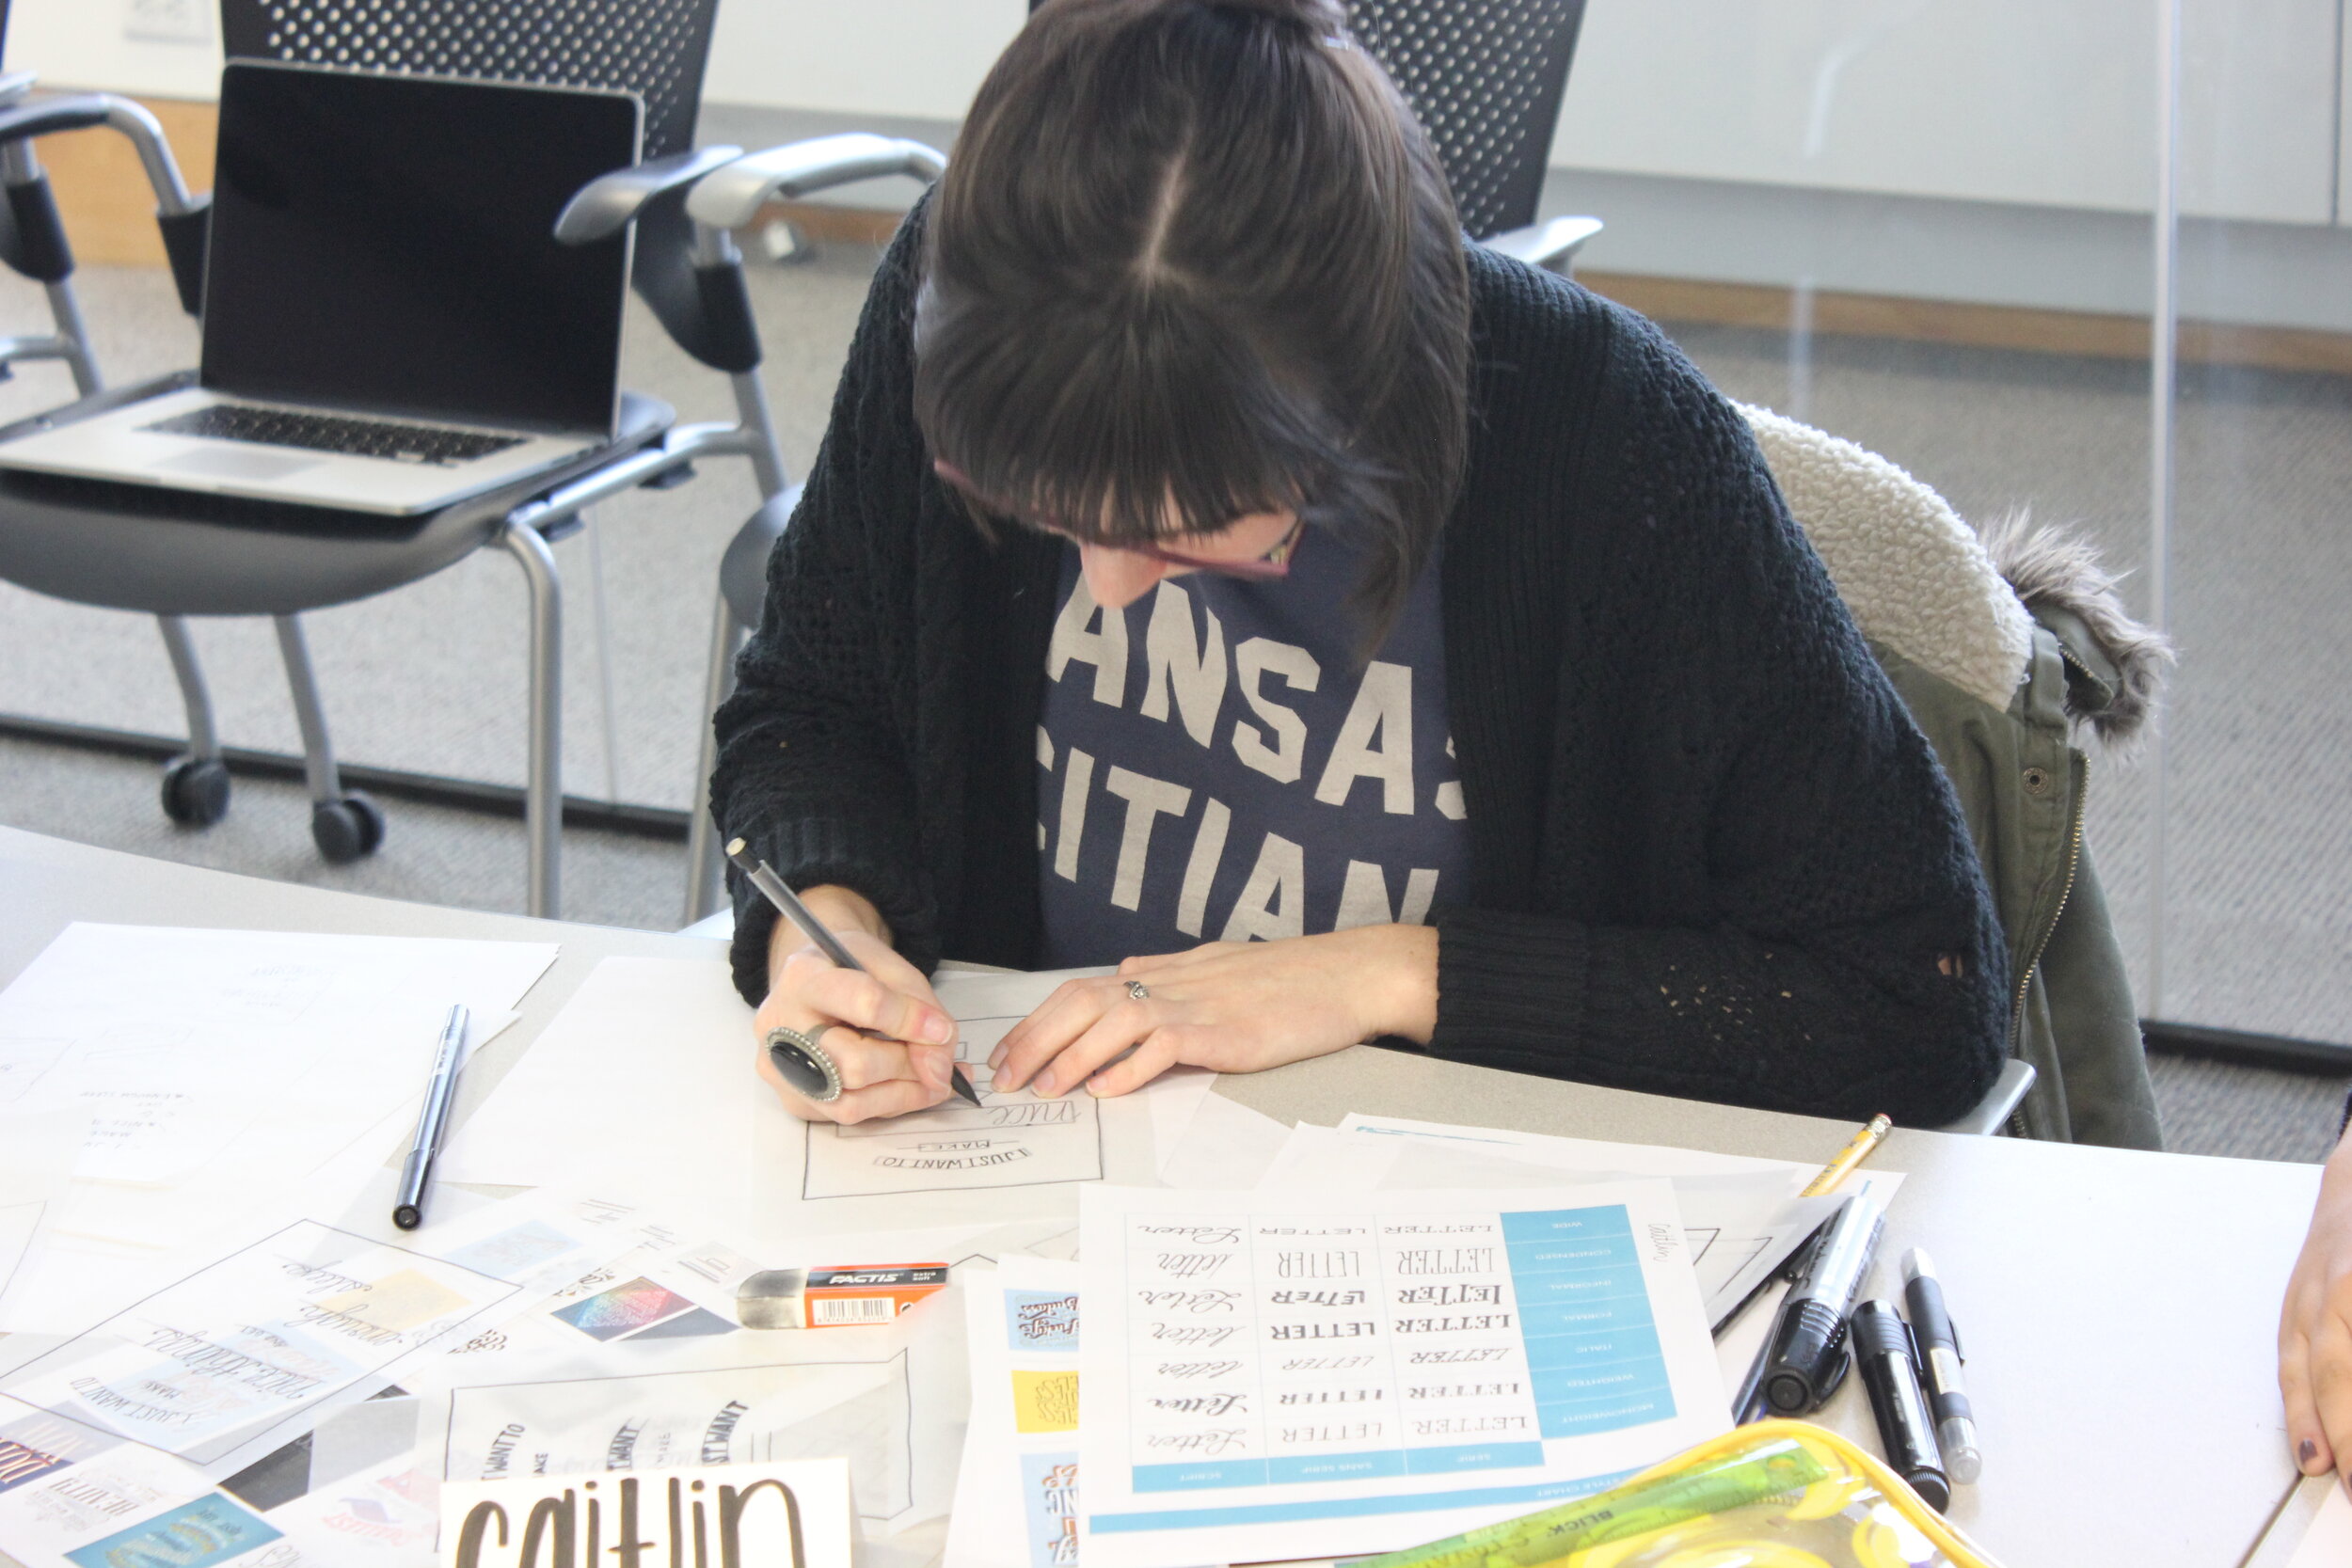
pixel 1217 568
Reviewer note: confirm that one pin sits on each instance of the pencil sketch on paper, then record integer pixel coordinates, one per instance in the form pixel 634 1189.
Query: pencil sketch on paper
pixel 862 1410
pixel 1007 1140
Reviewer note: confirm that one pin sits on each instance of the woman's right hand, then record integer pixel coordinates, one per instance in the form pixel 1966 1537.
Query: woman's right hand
pixel 906 1070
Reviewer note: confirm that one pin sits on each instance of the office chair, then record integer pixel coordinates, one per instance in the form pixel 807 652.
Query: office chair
pixel 1484 76
pixel 177 554
pixel 33 242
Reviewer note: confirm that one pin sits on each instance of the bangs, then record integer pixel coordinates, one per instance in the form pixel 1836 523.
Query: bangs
pixel 1129 422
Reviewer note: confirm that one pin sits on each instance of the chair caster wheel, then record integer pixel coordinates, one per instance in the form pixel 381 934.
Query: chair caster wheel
pixel 347 830
pixel 195 790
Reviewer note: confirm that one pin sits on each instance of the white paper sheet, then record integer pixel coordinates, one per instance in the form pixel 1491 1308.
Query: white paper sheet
pixel 2327 1544
pixel 1274 1375
pixel 1764 1248
pixel 245 1345
pixel 646 1079
pixel 1740 1225
pixel 1017 1491
pixel 890 1398
pixel 1226 1145
pixel 215 1065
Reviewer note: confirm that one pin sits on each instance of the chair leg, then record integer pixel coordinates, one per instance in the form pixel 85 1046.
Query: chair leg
pixel 705 881
pixel 73 336
pixel 543 798
pixel 195 783
pixel 344 824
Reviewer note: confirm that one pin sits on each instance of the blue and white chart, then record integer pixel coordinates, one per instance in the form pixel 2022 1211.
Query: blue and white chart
pixel 1285 1373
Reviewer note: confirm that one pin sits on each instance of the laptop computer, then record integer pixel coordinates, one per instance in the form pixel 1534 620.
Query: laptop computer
pixel 389 324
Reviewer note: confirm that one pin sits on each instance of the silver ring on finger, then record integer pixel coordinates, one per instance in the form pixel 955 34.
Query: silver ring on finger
pixel 804 1064
pixel 1138 991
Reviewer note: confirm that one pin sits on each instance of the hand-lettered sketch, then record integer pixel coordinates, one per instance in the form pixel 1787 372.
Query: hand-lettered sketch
pixel 740 1415
pixel 1007 1140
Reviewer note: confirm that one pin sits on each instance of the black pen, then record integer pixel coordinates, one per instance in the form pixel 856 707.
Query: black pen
pixel 1805 1358
pixel 761 876
pixel 1939 1355
pixel 1882 1347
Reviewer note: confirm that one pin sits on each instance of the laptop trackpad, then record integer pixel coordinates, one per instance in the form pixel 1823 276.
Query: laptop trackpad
pixel 230 462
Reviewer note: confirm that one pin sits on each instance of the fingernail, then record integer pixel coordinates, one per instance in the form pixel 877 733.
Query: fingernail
pixel 1043 1086
pixel 996 1058
pixel 2305 1453
pixel 939 1029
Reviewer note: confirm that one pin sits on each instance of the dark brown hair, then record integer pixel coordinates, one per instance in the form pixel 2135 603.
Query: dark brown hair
pixel 1198 252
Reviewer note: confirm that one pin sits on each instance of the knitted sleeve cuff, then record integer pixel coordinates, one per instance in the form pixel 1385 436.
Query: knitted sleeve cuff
pixel 1509 985
pixel 810 852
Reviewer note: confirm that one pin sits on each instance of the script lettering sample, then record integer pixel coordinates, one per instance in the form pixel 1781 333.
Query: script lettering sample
pixel 1327 1321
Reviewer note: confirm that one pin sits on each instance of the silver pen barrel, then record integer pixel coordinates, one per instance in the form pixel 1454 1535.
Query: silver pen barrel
pixel 1939 1371
pixel 440 1093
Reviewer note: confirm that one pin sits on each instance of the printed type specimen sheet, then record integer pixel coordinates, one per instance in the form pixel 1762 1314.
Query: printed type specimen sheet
pixel 1284 1375
pixel 1017 1493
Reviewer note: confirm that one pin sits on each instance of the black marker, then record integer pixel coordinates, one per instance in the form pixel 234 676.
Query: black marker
pixel 1939 1356
pixel 1881 1346
pixel 1804 1360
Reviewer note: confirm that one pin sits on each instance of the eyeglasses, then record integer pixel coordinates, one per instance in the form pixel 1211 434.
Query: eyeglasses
pixel 1275 563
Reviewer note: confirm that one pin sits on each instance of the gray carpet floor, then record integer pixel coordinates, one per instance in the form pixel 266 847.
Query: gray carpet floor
pixel 2258 848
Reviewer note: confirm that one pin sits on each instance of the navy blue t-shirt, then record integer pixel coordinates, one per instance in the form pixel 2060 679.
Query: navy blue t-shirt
pixel 1213 765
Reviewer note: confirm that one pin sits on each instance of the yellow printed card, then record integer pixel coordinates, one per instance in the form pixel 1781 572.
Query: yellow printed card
pixel 1045 1401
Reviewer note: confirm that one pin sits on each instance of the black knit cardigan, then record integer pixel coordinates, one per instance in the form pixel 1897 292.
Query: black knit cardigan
pixel 1711 855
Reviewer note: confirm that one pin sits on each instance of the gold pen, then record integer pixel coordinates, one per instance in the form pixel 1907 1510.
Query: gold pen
pixel 1852 1155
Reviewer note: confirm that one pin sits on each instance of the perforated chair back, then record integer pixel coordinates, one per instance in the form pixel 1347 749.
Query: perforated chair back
pixel 653 48
pixel 1485 79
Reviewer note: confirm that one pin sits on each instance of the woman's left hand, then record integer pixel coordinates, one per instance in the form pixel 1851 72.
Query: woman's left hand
pixel 1232 1007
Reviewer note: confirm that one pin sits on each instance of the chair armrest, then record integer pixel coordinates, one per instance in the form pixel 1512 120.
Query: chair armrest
pixel 2008 1093
pixel 1552 244
pixel 606 204
pixel 15 84
pixel 732 196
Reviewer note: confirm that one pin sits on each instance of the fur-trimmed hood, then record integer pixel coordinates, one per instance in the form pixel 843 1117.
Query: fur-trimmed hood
pixel 2115 665
pixel 1960 601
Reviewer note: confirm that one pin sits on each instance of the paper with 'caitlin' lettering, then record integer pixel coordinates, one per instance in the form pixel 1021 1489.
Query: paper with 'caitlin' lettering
pixel 1278 1374
pixel 785 1513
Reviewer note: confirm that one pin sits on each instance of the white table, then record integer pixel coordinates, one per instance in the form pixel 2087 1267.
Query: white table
pixel 2117 1308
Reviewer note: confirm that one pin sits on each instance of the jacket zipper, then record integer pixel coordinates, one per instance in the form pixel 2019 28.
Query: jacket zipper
pixel 2025 981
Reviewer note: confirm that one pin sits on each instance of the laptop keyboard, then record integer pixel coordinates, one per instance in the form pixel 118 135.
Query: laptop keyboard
pixel 273 427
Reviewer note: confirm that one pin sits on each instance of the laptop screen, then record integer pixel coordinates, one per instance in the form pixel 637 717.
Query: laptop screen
pixel 387 245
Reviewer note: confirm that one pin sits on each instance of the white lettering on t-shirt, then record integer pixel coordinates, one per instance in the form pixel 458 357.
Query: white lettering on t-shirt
pixel 1448 799
pixel 1107 649
pixel 1196 670
pixel 1044 760
pixel 1073 814
pixel 1364 900
pixel 1145 798
pixel 1383 706
pixel 1282 760
pixel 1208 847
pixel 1273 903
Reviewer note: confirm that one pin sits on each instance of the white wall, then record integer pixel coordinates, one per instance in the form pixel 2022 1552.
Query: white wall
pixel 82 43
pixel 2040 102
pixel 913 58
pixel 2037 102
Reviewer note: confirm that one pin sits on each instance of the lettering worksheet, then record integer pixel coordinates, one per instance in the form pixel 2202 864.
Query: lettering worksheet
pixel 1285 1373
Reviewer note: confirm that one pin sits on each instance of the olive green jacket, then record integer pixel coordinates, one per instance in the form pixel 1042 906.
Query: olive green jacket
pixel 2004 646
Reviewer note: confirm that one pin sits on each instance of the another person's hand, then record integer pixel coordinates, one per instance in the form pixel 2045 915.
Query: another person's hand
pixel 806 991
pixel 1233 1006
pixel 2316 1330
